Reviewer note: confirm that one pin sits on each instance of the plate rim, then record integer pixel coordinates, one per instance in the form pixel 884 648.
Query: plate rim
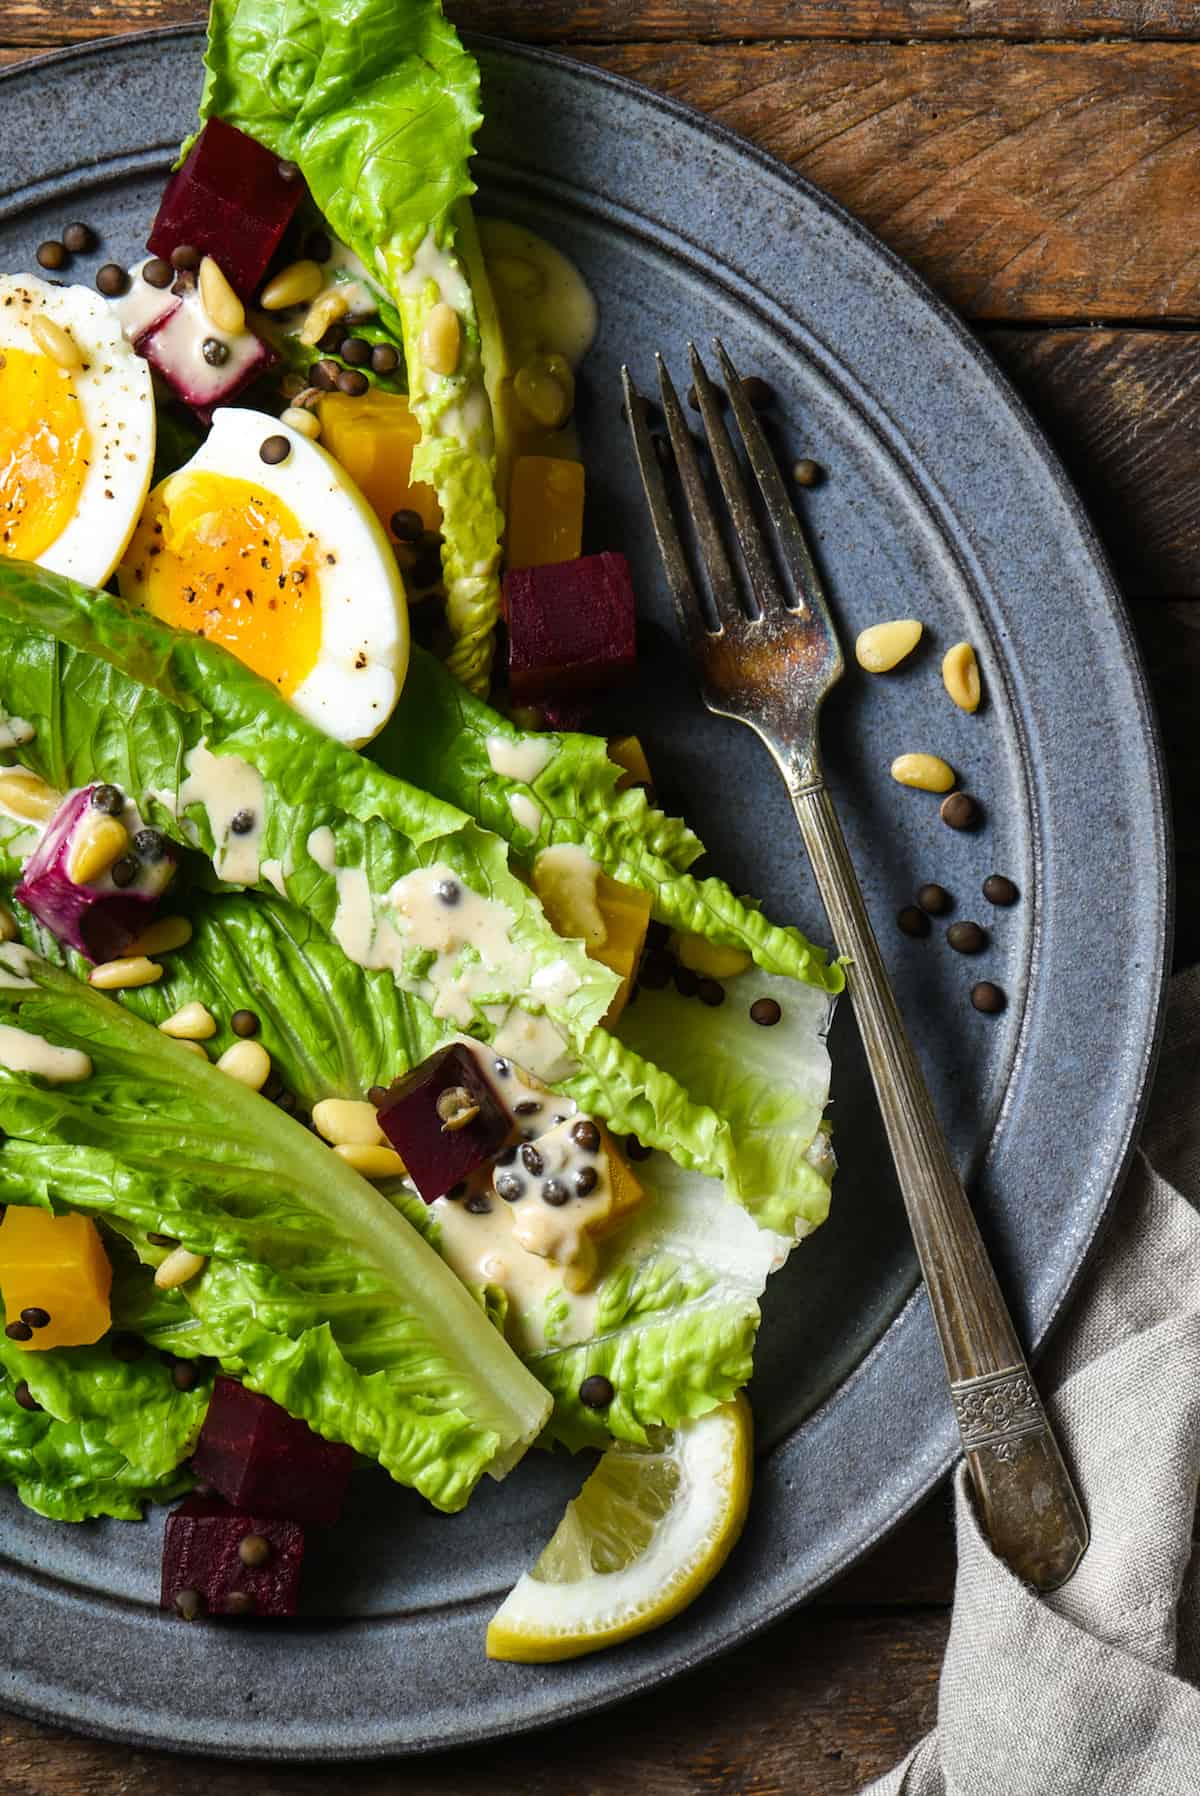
pixel 1159 950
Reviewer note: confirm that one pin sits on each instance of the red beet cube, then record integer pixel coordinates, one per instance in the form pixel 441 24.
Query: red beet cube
pixel 259 1458
pixel 222 1561
pixel 419 1114
pixel 229 201
pixel 570 626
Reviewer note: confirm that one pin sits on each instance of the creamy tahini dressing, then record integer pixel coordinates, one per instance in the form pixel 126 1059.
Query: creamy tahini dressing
pixel 433 263
pixel 483 1250
pixel 525 812
pixel 227 787
pixel 272 872
pixel 523 760
pixel 15 961
pixel 23 1052
pixel 545 304
pixel 143 305
pixel 536 1043
pixel 15 732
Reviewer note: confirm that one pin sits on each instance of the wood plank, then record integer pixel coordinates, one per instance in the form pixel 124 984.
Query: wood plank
pixel 815 1708
pixel 604 21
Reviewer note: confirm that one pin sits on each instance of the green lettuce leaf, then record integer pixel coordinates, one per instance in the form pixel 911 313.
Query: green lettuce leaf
pixel 378 104
pixel 317 1290
pixel 109 1437
pixel 114 694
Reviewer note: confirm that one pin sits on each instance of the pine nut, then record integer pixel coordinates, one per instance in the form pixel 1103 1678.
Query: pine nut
pixel 123 975
pixel 347 1124
pixel 180 1265
pixel 928 773
pixel 24 795
pixel 194 1047
pixel 325 310
pixel 248 1062
pixel 8 925
pixel 99 841
pixel 294 285
pixel 884 646
pixel 441 339
pixel 163 935
pixel 960 676
pixel 220 302
pixel 304 423
pixel 55 342
pixel 371 1162
pixel 193 1023
pixel 709 958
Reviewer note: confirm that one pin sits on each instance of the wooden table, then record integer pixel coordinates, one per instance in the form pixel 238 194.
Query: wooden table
pixel 1037 161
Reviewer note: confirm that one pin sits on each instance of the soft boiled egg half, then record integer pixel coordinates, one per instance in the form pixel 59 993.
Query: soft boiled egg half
pixel 76 429
pixel 262 543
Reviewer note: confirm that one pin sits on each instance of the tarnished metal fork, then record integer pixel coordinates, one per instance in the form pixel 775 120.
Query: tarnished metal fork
pixel 769 658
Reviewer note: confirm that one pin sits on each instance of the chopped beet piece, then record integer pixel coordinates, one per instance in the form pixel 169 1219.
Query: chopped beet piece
pixel 260 1458
pixel 176 346
pixel 570 626
pixel 418 1118
pixel 204 1556
pixel 230 202
pixel 100 918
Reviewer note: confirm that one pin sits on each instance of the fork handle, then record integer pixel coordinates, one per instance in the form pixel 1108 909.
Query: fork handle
pixel 1029 1505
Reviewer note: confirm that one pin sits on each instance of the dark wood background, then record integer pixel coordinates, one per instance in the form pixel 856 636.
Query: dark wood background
pixel 1037 161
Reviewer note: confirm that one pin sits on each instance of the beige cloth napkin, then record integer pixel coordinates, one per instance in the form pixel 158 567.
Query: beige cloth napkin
pixel 1091 1691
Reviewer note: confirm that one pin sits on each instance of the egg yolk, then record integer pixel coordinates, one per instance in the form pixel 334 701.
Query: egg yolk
pixel 44 446
pixel 229 560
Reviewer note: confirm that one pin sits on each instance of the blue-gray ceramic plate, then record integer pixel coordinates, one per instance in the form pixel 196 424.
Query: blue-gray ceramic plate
pixel 941 502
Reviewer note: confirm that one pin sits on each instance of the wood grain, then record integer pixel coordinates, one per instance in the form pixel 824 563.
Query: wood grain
pixel 814 1708
pixel 550 21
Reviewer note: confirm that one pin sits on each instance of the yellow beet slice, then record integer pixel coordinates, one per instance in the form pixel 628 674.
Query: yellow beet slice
pixel 56 1264
pixel 373 436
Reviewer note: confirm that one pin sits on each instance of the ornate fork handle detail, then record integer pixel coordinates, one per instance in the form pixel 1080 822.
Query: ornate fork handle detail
pixel 1029 1505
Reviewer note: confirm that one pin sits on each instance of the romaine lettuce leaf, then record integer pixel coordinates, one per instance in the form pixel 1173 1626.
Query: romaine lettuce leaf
pixel 378 104
pixel 316 1290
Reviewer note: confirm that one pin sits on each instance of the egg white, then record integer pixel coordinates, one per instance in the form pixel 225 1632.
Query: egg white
pixel 353 686
pixel 116 399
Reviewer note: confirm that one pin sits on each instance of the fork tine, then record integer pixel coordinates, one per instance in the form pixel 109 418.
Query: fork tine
pixel 688 607
pixel 796 552
pixel 721 579
pixel 753 544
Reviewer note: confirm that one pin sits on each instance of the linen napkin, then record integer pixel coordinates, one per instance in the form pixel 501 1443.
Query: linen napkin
pixel 1091 1691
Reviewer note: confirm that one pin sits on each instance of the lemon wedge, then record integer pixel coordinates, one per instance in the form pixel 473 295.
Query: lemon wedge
pixel 649 1529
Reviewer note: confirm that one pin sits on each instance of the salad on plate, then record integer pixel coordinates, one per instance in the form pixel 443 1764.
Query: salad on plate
pixel 378 1082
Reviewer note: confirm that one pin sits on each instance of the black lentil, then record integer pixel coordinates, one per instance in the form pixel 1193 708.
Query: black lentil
pixel 185 1374
pixel 655 970
pixel 967 937
pixel 427 568
pixel 36 1316
pixel 318 247
pixel 478 1204
pixel 287 171
pixel 353 382
pixel 254 1550
pixel 188 1604
pixel 19 1331
pixel 324 376
pixel 157 273
pixel 586 1180
pixel 159 1240
pixel 385 358
pixel 912 921
pixel 532 1160
pixel 246 1023
pixel 586 1135
pixel 934 899
pixel 807 472
pixel 378 1094
pixel 80 239
pixel 502 1068
pixel 239 1602
pixel 711 992
pixel 527 1107
pixel 124 871
pixel 758 391
pixel 408 526
pixel 457 1191
pixel 331 342
pixel 960 810
pixel 555 1193
pixel 637 1150
pixel 765 1012
pixel 998 889
pixel 183 284
pixel 687 983
pixel 447 892
pixel 112 280
pixel 150 845
pixel 186 257
pixel 509 1187
pixel 24 1395
pixel 52 253
pixel 596 1392
pixel 126 1347
pixel 274 450
pixel 109 799
pixel 215 353
pixel 988 997
pixel 506 1156
pixel 356 351
pixel 242 822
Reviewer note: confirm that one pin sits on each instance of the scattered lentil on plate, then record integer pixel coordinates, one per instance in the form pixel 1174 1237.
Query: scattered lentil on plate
pixel 998 889
pixel 967 937
pixel 988 997
pixel 934 899
pixel 912 922
pixel 960 810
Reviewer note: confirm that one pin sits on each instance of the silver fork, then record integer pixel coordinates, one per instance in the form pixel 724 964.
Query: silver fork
pixel 771 665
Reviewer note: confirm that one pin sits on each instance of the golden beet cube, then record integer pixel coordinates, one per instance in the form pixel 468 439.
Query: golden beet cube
pixel 54 1266
pixel 584 904
pixel 545 512
pixel 373 436
pixel 626 914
